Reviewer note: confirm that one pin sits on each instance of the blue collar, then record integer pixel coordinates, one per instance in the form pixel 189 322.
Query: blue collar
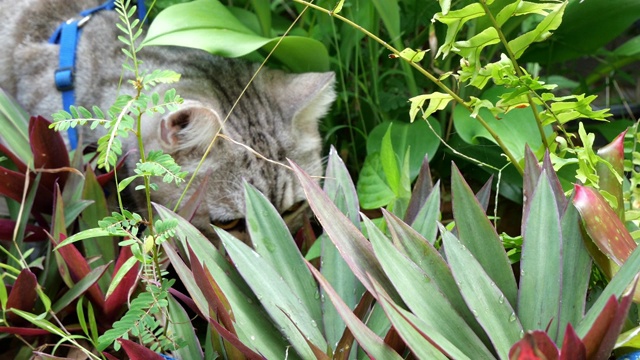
pixel 67 35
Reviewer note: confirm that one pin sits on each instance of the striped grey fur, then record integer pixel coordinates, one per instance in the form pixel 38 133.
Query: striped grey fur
pixel 277 117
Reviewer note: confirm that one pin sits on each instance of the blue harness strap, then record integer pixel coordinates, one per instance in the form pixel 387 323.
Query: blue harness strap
pixel 67 35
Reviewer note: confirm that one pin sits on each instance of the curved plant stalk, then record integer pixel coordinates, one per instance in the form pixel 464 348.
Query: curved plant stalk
pixel 427 74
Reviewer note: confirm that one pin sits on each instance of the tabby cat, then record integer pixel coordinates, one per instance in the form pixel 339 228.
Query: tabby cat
pixel 276 117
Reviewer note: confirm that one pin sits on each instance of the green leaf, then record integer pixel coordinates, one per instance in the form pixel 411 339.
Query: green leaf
pixel 272 239
pixel 476 232
pixel 416 137
pixel 14 123
pixel 353 246
pixel 78 289
pixel 412 55
pixel 370 342
pixel 428 216
pixel 455 20
pixel 373 191
pixel 490 306
pixel 124 269
pixel 437 101
pixel 541 32
pixel 516 128
pixel 281 303
pixel 576 264
pixel 411 329
pixel 88 234
pixel 340 189
pixel 262 9
pixel 540 265
pixel 471 49
pixel 208 25
pixel 258 332
pixel 414 286
pixel 390 163
pixel 181 328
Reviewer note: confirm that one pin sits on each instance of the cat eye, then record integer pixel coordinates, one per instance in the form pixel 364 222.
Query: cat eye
pixel 227 225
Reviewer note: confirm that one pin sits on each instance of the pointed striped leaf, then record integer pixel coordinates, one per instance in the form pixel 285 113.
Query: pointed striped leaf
pixel 483 296
pixel 422 295
pixel 476 232
pixel 540 264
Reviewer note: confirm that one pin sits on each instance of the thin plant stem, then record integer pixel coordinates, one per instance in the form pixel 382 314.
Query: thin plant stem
pixel 428 75
pixel 517 69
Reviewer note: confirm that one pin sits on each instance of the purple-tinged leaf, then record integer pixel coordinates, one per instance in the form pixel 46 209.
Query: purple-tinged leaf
pixel 371 343
pixel 610 331
pixel 188 209
pixel 218 304
pixel 49 151
pixel 478 235
pixel 484 194
pixel 136 351
pixel 78 289
pixel 361 311
pixel 540 290
pixel 572 346
pixel 421 191
pixel 23 331
pixel 613 153
pixel 182 328
pixel 118 299
pixel 20 165
pixel 339 187
pixel 352 245
pixel 426 221
pixel 22 295
pixel 535 345
pixel 596 333
pixel 603 225
pixel 33 233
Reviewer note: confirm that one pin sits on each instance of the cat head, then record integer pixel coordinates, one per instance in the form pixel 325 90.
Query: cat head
pixel 276 119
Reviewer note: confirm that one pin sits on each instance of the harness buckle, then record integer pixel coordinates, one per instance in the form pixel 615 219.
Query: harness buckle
pixel 64 78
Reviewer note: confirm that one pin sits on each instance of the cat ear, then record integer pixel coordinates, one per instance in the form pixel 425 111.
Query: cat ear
pixel 192 126
pixel 306 97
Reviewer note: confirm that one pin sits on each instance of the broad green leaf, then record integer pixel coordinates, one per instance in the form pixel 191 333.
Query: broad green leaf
pixel 180 326
pixel 390 163
pixel 254 329
pixel 338 182
pixel 210 26
pixel 262 9
pixel 373 191
pixel 414 286
pixel 416 137
pixel 516 128
pixel 476 232
pixel 273 241
pixel 367 339
pixel 542 31
pixel 413 334
pixel 577 36
pixel 281 303
pixel 490 306
pixel 540 266
pixel 437 101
